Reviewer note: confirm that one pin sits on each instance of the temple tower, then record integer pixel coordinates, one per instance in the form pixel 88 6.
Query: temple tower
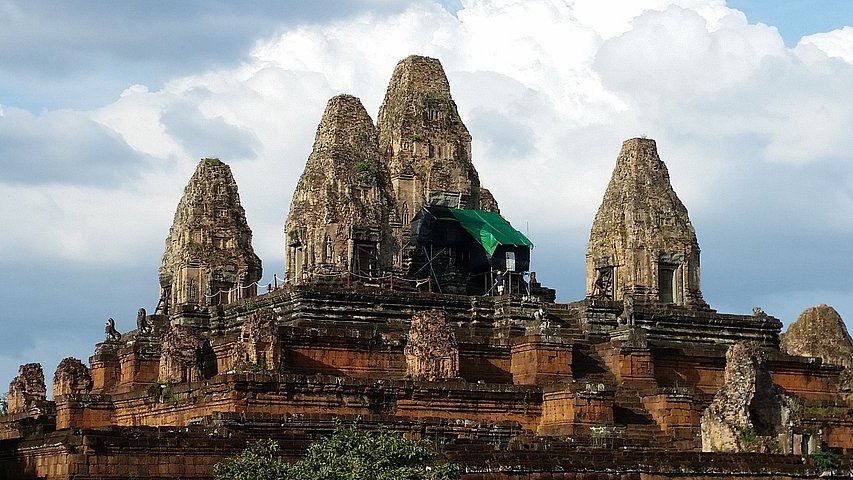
pixel 426 145
pixel 642 243
pixel 209 258
pixel 343 206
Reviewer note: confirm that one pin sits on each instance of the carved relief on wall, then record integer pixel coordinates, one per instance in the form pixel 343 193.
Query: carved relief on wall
pixel 431 350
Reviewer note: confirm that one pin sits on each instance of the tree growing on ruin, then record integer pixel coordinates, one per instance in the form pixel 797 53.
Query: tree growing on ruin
pixel 350 453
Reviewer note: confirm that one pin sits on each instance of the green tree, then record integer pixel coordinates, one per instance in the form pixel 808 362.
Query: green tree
pixel 349 454
pixel 257 462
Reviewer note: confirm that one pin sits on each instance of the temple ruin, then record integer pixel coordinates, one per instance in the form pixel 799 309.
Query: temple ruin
pixel 343 209
pixel 209 258
pixel 408 305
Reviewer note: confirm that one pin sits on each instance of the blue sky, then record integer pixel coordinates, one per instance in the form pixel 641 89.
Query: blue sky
pixel 105 109
pixel 797 18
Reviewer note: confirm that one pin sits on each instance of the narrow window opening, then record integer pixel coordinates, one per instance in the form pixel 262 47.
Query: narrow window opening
pixel 666 283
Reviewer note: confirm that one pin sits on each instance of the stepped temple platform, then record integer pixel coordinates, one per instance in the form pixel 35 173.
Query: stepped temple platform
pixel 408 305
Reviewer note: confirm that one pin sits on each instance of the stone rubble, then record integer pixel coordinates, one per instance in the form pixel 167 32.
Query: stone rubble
pixel 71 377
pixel 27 391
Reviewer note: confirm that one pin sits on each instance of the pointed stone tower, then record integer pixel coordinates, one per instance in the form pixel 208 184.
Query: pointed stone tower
pixel 343 206
pixel 427 149
pixel 642 244
pixel 209 258
pixel 424 142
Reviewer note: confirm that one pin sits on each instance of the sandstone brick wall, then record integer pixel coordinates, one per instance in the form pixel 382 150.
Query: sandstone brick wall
pixel 537 362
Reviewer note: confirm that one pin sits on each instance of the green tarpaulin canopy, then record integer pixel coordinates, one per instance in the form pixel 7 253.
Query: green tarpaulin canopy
pixel 490 229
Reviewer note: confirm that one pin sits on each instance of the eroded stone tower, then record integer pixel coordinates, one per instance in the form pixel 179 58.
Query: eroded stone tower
pixel 642 243
pixel 209 258
pixel 343 208
pixel 424 142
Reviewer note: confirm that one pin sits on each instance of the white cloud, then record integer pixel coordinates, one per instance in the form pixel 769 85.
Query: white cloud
pixel 837 43
pixel 755 134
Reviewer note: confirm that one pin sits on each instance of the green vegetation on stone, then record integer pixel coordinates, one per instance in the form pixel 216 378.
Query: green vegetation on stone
pixel 748 439
pixel 350 453
pixel 364 171
pixel 826 461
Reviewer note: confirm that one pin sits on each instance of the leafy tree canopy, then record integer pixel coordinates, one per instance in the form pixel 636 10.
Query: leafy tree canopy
pixel 349 454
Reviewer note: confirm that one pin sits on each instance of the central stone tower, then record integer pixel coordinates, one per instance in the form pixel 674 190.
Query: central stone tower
pixel 427 148
pixel 642 244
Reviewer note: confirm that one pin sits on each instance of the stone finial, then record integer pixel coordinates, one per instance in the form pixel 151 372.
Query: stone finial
pixel 209 258
pixel 257 346
pixel 642 239
pixel 180 355
pixel 431 351
pixel 27 390
pixel 749 413
pixel 71 377
pixel 820 332
pixel 342 209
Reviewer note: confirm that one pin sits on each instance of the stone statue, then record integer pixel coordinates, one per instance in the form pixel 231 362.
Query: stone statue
pixel 110 332
pixel 627 317
pixel 758 312
pixel 144 325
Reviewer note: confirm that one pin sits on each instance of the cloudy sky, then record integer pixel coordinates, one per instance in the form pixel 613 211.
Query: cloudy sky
pixel 106 107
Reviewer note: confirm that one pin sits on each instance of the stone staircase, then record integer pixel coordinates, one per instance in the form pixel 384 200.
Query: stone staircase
pixel 633 426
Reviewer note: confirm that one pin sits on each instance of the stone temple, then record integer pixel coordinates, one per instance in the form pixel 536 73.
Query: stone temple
pixel 407 303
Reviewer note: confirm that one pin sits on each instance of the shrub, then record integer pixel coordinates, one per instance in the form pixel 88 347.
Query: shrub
pixel 349 454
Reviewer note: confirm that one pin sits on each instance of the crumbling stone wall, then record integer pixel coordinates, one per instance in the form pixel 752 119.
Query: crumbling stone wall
pixel 820 332
pixel 642 244
pixel 431 350
pixel 27 391
pixel 180 358
pixel 749 413
pixel 209 257
pixel 343 206
pixel 71 377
